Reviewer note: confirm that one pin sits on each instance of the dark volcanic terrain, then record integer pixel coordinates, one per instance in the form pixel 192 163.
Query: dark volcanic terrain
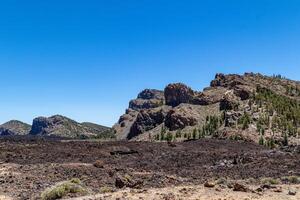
pixel 240 134
pixel 30 165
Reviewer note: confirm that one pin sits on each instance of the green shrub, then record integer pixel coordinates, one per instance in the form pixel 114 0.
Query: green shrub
pixel 270 143
pixel 178 133
pixel 62 189
pixel 169 137
pixel 245 120
pixel 106 189
pixel 194 133
pixel 271 181
pixel 261 140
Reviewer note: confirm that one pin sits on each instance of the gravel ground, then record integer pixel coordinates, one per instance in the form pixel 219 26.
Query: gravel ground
pixel 30 165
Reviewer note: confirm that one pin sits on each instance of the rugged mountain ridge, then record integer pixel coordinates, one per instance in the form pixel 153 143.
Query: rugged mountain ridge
pixel 61 126
pixel 58 126
pixel 234 106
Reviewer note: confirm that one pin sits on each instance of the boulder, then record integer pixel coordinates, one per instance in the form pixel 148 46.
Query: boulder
pixel 127 181
pixel 240 187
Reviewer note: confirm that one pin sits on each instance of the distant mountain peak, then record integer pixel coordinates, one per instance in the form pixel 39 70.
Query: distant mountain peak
pixel 14 127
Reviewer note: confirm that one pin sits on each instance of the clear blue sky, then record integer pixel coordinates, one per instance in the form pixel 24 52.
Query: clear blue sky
pixel 87 59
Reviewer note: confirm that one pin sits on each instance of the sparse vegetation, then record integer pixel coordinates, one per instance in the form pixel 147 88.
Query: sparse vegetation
pixel 291 179
pixel 244 121
pixel 261 140
pixel 106 189
pixel 270 181
pixel 62 189
pixel 163 132
pixel 211 125
pixel 178 133
pixel 195 133
pixel 169 137
pixel 285 111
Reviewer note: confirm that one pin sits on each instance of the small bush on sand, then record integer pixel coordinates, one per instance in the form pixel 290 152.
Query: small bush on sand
pixel 106 189
pixel 291 179
pixel 221 181
pixel 271 181
pixel 62 189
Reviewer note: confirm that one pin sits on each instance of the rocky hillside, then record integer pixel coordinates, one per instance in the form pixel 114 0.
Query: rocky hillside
pixel 64 127
pixel 250 107
pixel 14 127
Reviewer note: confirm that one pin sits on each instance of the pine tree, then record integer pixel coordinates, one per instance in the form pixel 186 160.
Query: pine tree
pixel 261 140
pixel 194 133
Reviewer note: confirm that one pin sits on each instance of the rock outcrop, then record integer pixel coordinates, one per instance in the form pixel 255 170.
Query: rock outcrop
pixel 232 104
pixel 14 127
pixel 61 126
pixel 178 93
pixel 147 99
pixel 147 120
pixel 177 119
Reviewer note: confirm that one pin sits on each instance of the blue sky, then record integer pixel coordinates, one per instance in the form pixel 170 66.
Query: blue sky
pixel 87 59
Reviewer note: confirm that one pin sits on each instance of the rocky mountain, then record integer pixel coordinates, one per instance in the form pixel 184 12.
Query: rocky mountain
pixel 14 127
pixel 64 127
pixel 251 107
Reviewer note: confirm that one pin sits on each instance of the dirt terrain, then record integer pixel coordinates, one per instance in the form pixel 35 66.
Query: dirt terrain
pixel 29 165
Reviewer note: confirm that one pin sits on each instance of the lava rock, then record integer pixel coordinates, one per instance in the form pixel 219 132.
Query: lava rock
pixel 178 93
pixel 240 188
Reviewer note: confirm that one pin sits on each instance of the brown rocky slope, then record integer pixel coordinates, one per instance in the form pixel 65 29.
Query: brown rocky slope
pixel 254 107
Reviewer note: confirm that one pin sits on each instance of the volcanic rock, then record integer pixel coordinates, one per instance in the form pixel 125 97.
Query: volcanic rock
pixel 147 99
pixel 179 120
pixel 178 93
pixel 146 120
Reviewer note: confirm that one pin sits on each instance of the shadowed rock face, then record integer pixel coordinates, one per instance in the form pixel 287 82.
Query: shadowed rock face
pixel 64 127
pixel 4 132
pixel 146 120
pixel 40 125
pixel 14 127
pixel 178 93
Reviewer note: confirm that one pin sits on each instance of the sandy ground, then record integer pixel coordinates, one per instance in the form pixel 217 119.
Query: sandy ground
pixel 198 193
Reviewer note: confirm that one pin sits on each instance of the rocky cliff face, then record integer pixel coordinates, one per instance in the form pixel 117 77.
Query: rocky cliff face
pixel 147 99
pixel 14 127
pixel 64 127
pixel 233 106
